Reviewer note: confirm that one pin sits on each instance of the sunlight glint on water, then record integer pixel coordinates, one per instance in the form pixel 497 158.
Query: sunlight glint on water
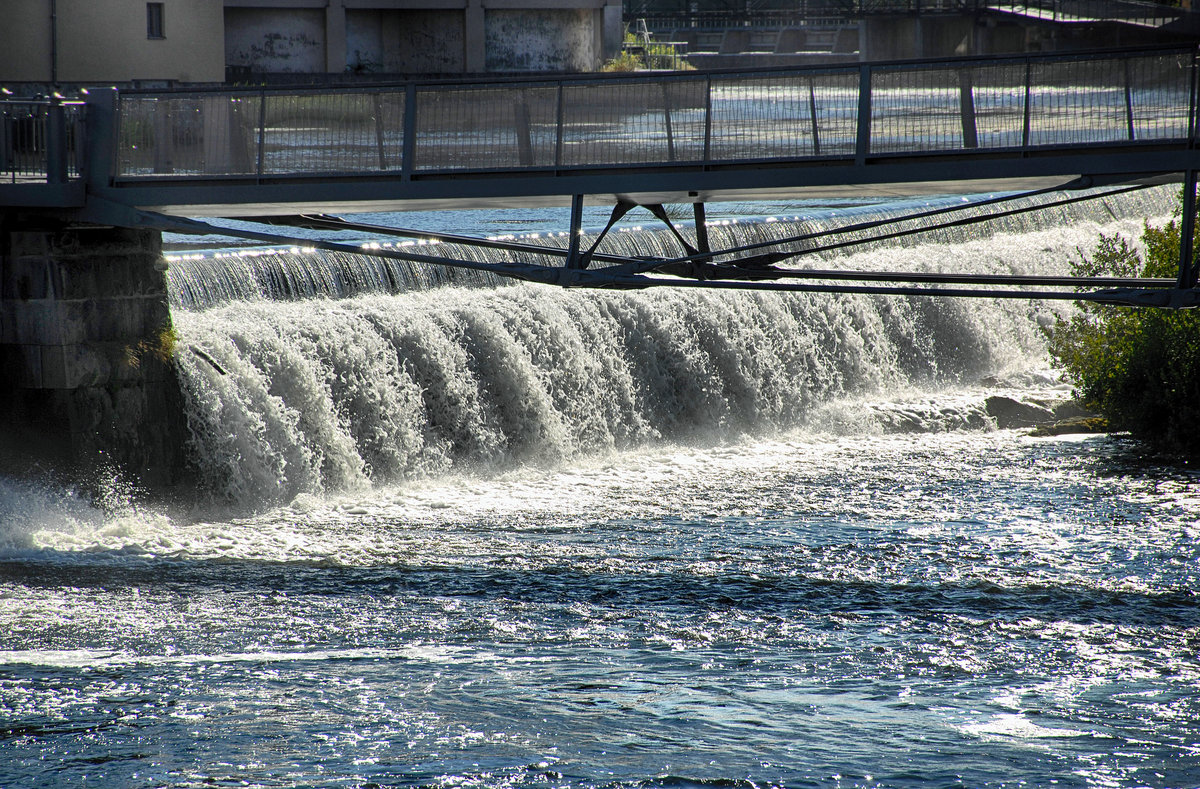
pixel 510 536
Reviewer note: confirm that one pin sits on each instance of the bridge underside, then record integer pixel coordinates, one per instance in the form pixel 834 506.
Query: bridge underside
pixel 775 181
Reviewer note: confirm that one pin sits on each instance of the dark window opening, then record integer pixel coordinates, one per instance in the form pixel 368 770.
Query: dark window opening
pixel 154 20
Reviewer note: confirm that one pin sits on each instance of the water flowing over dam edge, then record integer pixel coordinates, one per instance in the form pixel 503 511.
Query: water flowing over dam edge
pixel 312 373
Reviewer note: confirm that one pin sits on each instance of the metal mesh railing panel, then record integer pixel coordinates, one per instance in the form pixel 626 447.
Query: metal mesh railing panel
pixel 998 101
pixel 639 123
pixel 1076 102
pixel 784 116
pixel 1159 96
pixel 948 109
pixel 1003 104
pixel 26 141
pixel 272 133
pixel 189 134
pixel 486 128
pixel 916 110
pixel 332 132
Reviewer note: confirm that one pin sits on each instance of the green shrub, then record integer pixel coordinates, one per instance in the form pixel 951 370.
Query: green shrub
pixel 1137 367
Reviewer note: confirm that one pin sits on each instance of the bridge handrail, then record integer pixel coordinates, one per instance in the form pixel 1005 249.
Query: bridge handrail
pixel 708 119
pixel 847 11
pixel 40 139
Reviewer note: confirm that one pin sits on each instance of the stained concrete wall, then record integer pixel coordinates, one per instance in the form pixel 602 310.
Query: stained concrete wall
pixel 421 36
pixel 288 40
pixel 83 316
pixel 106 41
pixel 541 39
pixel 417 41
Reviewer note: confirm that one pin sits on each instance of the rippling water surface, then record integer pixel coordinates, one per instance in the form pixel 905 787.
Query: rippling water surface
pixel 952 609
pixel 508 536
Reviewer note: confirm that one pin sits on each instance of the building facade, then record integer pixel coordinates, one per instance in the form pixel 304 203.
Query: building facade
pixel 200 41
pixel 96 41
pixel 420 36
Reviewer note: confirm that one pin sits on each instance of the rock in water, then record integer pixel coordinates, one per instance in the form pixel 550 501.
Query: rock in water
pixel 1010 413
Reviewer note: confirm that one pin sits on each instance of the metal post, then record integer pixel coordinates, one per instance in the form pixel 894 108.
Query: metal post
pixel 707 120
pixel 408 146
pixel 1028 92
pixel 558 124
pixel 812 115
pixel 1129 102
pixel 102 126
pixel 667 119
pixel 524 138
pixel 56 142
pixel 1194 87
pixel 1187 229
pixel 701 228
pixel 262 131
pixel 164 138
pixel 862 144
pixel 573 260
pixel 378 100
pixel 966 103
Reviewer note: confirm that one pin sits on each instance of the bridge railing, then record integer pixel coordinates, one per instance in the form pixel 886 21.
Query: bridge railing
pixel 686 119
pixel 802 14
pixel 40 140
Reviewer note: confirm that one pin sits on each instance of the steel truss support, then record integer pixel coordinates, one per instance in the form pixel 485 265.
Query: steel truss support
pixel 1187 232
pixel 573 259
pixel 693 270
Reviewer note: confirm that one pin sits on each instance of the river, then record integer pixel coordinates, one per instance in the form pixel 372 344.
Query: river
pixel 454 534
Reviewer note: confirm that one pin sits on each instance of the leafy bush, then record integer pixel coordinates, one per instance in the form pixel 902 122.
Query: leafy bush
pixel 1137 367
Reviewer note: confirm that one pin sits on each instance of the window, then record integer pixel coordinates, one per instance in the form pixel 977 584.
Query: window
pixel 154 20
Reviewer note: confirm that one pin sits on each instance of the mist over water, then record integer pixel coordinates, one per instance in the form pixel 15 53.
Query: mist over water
pixel 475 534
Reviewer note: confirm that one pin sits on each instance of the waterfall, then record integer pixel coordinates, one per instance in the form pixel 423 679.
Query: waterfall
pixel 307 372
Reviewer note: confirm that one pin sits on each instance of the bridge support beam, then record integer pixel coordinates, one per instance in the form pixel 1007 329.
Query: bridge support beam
pixel 1187 232
pixel 85 351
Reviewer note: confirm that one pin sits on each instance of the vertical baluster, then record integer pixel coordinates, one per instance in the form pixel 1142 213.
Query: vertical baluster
pixel 408 145
pixel 862 139
pixel 812 115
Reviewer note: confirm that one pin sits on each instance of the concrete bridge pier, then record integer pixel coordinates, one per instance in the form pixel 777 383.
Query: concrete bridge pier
pixel 86 348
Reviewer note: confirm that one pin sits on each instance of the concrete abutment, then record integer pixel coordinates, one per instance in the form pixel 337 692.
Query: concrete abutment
pixel 86 346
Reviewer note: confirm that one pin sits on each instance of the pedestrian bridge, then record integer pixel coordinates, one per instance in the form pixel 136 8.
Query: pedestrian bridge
pixel 1014 123
pixel 878 128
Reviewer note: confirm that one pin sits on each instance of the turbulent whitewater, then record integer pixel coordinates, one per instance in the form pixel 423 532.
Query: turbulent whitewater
pixel 319 372
pixel 451 532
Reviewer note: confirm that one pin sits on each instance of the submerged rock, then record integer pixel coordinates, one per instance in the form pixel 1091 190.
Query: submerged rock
pixel 1089 424
pixel 1010 413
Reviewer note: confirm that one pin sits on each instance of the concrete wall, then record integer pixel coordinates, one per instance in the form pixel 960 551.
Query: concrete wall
pixel 541 39
pixel 290 40
pixel 25 42
pixel 421 36
pixel 416 41
pixel 105 41
pixel 83 316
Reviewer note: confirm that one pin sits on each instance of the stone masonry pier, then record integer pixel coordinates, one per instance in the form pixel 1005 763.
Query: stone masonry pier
pixel 85 342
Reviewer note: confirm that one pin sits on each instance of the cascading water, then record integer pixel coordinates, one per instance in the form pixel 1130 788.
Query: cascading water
pixel 816 601
pixel 317 372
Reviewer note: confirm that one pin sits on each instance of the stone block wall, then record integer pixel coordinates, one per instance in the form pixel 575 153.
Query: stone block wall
pixel 86 377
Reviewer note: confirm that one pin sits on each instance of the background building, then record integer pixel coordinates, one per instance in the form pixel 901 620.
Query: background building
pixel 96 41
pixel 88 41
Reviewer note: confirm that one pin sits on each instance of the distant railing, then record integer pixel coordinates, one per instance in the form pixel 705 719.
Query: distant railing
pixel 658 55
pixel 1018 103
pixel 1128 11
pixel 40 140
pixel 826 12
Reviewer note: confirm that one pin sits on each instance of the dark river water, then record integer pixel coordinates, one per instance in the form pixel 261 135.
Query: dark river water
pixel 485 536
